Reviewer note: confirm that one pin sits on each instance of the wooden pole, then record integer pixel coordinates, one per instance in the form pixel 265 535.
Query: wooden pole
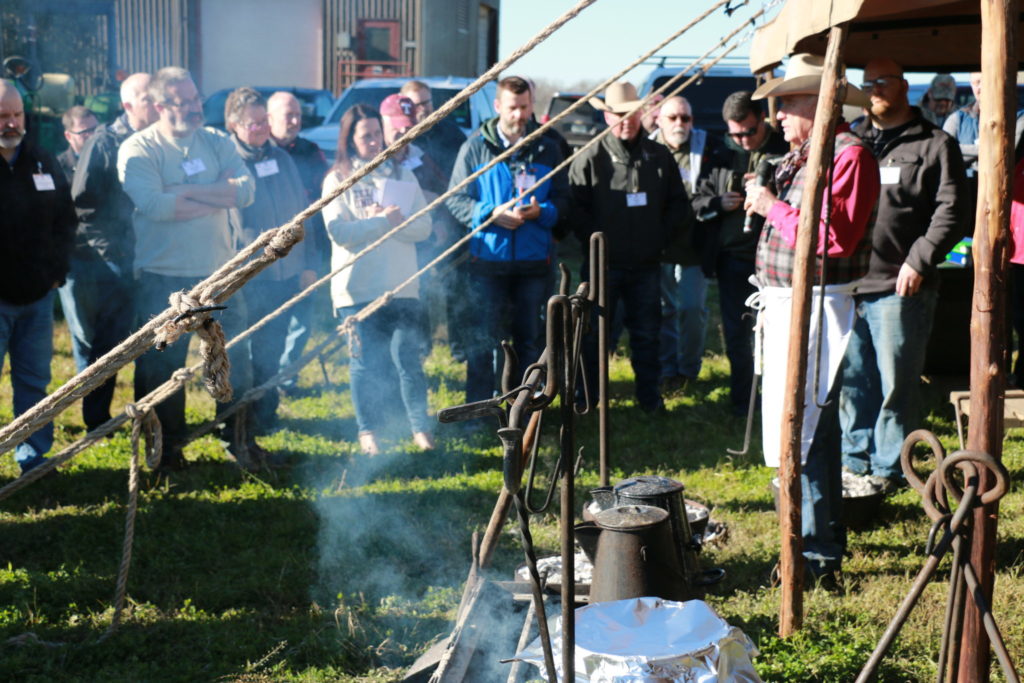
pixel 988 319
pixel 791 560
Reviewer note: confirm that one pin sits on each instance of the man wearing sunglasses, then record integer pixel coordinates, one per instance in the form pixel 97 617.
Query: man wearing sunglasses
pixel 730 240
pixel 922 213
pixel 683 285
pixel 79 125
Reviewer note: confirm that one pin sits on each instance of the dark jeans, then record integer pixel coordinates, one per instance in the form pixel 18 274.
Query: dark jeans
pixel 511 303
pixel 153 368
pixel 26 334
pixel 638 291
pixel 394 334
pixel 268 344
pixel 733 289
pixel 821 482
pixel 98 305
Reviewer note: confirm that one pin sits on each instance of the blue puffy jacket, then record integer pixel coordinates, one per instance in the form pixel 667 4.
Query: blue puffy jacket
pixel 471 206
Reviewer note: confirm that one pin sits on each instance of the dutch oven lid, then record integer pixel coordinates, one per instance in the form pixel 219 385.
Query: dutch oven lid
pixel 627 517
pixel 647 486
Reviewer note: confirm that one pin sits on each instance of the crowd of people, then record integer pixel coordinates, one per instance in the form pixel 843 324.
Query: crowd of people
pixel 154 202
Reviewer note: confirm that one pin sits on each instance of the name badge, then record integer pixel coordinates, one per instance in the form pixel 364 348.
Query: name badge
pixel 43 181
pixel 524 181
pixel 193 166
pixel 890 175
pixel 412 163
pixel 267 167
pixel 636 199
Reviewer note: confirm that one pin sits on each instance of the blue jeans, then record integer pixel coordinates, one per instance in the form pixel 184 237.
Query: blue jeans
pixel 881 375
pixel 684 319
pixel 733 289
pixel 394 334
pixel 300 324
pixel 513 305
pixel 153 368
pixel 26 333
pixel 637 291
pixel 821 492
pixel 268 344
pixel 98 305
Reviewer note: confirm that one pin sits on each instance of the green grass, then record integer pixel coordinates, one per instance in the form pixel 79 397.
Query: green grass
pixel 345 569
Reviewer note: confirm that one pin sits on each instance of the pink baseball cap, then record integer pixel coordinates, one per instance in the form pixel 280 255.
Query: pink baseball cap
pixel 398 109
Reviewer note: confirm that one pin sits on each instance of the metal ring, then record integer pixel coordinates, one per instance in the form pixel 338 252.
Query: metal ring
pixel 977 460
pixel 907 458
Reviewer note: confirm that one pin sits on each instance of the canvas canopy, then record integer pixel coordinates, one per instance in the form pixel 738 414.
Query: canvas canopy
pixel 920 35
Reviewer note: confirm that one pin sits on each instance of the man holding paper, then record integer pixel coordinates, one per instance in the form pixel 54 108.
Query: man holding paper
pixel 510 259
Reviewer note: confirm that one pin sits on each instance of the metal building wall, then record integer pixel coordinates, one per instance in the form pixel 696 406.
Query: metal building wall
pixel 344 15
pixel 152 34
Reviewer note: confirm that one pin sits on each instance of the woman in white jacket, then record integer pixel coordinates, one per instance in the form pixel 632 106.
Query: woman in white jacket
pixel 395 332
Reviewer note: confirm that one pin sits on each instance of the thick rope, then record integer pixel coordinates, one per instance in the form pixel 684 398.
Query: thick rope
pixel 227 279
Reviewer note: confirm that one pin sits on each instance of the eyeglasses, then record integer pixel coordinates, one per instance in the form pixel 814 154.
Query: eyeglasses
pixel 84 131
pixel 682 118
pixel 196 102
pixel 880 82
pixel 748 133
pixel 255 125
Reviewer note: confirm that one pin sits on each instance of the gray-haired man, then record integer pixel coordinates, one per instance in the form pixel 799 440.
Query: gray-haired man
pixel 183 179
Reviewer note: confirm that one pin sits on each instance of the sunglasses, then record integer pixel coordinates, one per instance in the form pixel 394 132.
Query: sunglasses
pixel 84 131
pixel 748 133
pixel 880 82
pixel 682 118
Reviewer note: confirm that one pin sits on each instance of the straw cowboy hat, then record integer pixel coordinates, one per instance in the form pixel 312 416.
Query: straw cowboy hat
pixel 619 98
pixel 803 77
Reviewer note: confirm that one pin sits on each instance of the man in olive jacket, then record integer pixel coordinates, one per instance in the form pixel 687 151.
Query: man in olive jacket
pixel 922 212
pixel 629 188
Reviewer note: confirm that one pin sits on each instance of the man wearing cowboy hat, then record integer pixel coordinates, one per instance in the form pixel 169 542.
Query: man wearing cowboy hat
pixel 629 188
pixel 844 244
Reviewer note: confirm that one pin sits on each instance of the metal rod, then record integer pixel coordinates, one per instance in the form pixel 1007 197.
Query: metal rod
pixel 538 597
pixel 524 638
pixel 599 287
pixel 568 508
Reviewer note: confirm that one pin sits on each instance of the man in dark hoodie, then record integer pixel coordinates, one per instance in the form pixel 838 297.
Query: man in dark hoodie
pixel 629 188
pixel 510 258
pixel 922 213
pixel 35 239
pixel 97 297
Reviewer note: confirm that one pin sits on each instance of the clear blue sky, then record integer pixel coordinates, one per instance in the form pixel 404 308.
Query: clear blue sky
pixel 609 34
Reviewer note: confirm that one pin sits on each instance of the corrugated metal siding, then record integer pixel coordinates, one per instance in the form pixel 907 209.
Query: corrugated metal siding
pixel 152 34
pixel 344 15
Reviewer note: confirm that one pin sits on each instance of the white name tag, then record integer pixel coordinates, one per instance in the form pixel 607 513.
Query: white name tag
pixel 890 175
pixel 524 181
pixel 412 163
pixel 636 199
pixel 193 166
pixel 267 167
pixel 43 181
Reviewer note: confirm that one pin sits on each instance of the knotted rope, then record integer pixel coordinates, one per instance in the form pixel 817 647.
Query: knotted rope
pixel 194 315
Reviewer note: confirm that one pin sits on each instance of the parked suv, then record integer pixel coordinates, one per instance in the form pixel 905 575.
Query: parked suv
pixel 707 94
pixel 372 91
pixel 579 127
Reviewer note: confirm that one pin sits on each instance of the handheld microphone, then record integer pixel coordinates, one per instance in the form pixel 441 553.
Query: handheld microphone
pixel 762 175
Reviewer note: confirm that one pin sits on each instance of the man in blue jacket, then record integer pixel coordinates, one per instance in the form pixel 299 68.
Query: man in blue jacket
pixel 510 259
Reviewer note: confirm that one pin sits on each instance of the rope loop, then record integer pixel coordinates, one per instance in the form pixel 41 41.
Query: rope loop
pixel 286 237
pixel 216 364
